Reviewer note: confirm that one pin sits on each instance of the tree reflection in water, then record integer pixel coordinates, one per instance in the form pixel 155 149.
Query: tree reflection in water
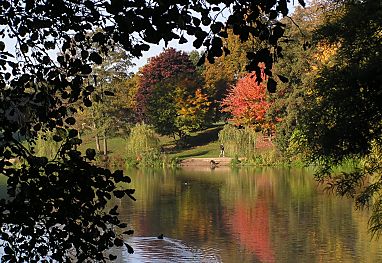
pixel 246 215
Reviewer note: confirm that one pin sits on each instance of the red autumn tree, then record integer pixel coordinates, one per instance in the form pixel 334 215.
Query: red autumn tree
pixel 168 67
pixel 246 101
pixel 170 95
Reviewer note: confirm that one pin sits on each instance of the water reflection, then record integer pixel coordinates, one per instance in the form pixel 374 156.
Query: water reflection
pixel 246 215
pixel 150 249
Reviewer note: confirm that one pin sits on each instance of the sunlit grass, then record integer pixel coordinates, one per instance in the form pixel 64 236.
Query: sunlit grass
pixel 115 145
pixel 205 151
pixel 202 144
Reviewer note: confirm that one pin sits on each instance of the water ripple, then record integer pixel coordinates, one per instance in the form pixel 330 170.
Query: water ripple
pixel 167 250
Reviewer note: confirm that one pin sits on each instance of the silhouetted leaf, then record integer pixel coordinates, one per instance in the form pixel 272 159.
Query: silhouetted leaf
pixel 118 193
pixel 226 51
pixel 302 3
pixel 8 258
pixel 72 133
pixel 45 60
pixel 37 127
pixel 96 58
pixel 282 7
pixel 182 40
pixel 129 193
pixel 87 102
pixel 223 34
pixel 8 250
pixel 86 69
pixel 126 179
pixel 122 225
pixel 128 232
pixel 201 60
pixel 196 21
pixel 90 154
pixel 84 54
pixel 57 138
pixel 113 211
pixel 130 250
pixel 198 42
pixel 283 78
pixel 70 120
pixel 24 48
pixel 206 20
pixel 118 242
pixel 278 31
pixel 271 85
pixel 79 37
pixel 216 27
pixel 272 14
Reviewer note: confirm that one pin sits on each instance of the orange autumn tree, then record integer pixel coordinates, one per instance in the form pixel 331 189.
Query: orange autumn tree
pixel 193 110
pixel 247 102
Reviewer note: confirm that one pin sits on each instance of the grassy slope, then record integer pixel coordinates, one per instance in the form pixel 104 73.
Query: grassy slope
pixel 210 149
pixel 201 144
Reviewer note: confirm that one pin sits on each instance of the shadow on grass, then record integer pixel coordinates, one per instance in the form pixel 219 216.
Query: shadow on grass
pixel 204 137
pixel 193 154
pixel 199 139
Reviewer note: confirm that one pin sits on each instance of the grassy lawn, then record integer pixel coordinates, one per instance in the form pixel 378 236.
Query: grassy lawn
pixel 116 145
pixel 200 144
pixel 210 149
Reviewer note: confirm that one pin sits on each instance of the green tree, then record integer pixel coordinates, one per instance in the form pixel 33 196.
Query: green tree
pixel 195 56
pixel 161 109
pixel 238 142
pixel 124 103
pixel 143 145
pixel 103 118
pixel 297 63
pixel 193 110
pixel 342 119
pixel 170 92
pixel 46 146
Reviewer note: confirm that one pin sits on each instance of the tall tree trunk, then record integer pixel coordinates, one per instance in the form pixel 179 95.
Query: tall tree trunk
pixel 104 143
pixel 98 147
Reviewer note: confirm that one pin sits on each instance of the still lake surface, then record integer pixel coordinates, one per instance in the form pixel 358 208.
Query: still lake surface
pixel 244 215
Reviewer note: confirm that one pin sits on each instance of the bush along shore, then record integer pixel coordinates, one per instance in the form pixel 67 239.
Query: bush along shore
pixel 144 148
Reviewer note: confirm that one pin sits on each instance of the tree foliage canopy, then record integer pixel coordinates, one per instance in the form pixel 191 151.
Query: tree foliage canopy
pixel 167 68
pixel 339 117
pixel 299 63
pixel 227 69
pixel 349 69
pixel 247 101
pixel 343 130
pixel 170 94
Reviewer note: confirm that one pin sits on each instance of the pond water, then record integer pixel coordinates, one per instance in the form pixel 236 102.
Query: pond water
pixel 245 215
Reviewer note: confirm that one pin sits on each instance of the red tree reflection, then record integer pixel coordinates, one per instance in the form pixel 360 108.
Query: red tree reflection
pixel 249 222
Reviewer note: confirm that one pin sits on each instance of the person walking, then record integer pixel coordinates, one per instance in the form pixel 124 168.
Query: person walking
pixel 221 150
